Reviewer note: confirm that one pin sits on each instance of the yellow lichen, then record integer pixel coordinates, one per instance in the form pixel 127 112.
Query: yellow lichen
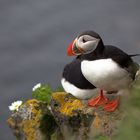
pixel 33 102
pixel 67 107
pixel 30 126
pixel 59 96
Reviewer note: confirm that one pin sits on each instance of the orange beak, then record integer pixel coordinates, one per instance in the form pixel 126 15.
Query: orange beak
pixel 70 49
pixel 74 50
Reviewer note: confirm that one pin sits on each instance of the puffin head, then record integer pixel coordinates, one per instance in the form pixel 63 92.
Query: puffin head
pixel 85 43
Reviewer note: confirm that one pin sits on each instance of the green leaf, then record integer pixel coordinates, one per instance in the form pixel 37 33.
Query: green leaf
pixel 43 93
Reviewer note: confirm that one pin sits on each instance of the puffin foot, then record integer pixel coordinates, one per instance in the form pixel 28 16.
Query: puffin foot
pixel 112 105
pixel 99 100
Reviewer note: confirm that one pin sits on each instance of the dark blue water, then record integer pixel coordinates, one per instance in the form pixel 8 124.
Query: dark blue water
pixel 34 35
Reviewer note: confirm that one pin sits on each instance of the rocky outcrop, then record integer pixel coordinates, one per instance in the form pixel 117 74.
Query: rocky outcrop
pixel 64 118
pixel 28 122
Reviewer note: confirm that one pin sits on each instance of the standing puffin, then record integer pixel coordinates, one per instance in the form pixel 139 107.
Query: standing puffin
pixel 97 66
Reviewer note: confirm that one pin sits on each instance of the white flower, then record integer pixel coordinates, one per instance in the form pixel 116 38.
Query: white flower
pixel 15 105
pixel 36 86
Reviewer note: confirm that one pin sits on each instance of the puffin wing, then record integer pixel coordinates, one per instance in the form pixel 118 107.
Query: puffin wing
pixel 72 73
pixel 122 59
pixel 75 83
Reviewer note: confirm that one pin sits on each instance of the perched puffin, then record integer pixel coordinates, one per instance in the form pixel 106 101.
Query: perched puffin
pixel 97 66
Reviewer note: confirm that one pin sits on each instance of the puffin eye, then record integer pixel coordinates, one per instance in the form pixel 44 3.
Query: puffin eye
pixel 84 40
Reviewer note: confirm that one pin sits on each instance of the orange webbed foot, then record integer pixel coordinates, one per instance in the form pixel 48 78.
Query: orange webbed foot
pixel 99 100
pixel 112 105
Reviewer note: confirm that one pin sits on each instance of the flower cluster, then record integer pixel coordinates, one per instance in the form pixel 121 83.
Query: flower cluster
pixel 15 105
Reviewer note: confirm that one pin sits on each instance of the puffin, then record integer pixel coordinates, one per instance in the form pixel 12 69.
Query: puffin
pixel 97 68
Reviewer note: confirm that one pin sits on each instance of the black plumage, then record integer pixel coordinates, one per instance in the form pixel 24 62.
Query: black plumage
pixel 72 73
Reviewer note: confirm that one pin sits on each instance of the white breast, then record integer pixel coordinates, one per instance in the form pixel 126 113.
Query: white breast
pixel 105 74
pixel 77 92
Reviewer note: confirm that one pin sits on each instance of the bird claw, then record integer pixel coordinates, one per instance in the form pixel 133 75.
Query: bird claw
pixel 112 106
pixel 99 100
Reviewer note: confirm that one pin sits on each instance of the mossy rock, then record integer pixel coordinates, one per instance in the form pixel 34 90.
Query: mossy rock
pixel 33 121
pixel 79 121
pixel 65 118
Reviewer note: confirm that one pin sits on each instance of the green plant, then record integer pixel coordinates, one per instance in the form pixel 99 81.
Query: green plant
pixel 43 93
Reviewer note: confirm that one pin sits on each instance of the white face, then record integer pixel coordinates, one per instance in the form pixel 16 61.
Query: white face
pixel 87 43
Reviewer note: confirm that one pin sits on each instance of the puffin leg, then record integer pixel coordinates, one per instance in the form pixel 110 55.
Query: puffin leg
pixel 112 105
pixel 99 100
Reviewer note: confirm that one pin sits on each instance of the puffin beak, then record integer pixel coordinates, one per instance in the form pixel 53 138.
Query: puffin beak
pixel 74 50
pixel 70 49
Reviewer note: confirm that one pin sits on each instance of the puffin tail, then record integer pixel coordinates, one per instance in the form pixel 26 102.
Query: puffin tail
pixel 133 55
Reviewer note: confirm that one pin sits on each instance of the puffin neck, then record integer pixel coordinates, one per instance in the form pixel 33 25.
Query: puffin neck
pixel 100 48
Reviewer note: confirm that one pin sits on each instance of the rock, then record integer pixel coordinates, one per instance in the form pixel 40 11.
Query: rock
pixel 72 116
pixel 28 123
pixel 76 120
pixel 65 118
